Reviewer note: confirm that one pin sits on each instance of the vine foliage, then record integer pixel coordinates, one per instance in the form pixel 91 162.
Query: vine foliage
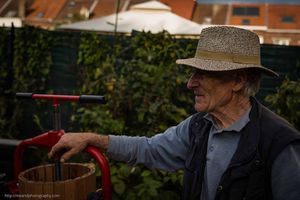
pixel 25 64
pixel 286 102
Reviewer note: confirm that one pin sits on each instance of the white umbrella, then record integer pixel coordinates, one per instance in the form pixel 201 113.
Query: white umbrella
pixel 151 16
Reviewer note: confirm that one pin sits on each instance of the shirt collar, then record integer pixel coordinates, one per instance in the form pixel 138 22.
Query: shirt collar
pixel 236 126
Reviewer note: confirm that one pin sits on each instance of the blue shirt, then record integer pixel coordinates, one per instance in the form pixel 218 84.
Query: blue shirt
pixel 222 143
pixel 168 150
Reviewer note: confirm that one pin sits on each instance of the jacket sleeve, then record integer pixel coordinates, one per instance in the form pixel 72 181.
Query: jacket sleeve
pixel 286 174
pixel 165 151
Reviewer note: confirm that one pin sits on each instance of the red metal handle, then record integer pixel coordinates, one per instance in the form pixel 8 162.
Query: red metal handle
pixel 56 98
pixel 105 172
pixel 47 139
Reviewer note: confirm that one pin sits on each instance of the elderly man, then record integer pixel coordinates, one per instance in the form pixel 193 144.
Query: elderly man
pixel 233 147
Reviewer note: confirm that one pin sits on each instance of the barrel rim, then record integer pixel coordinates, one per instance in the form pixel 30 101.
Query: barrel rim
pixel 87 165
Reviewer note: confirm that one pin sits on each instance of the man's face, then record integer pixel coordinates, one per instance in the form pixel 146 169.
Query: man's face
pixel 212 90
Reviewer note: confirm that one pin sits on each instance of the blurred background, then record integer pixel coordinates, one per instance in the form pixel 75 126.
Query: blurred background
pixel 126 51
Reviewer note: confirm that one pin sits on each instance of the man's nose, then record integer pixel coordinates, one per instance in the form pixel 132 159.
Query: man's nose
pixel 192 82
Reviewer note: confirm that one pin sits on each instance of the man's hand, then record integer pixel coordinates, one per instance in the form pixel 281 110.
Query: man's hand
pixel 73 143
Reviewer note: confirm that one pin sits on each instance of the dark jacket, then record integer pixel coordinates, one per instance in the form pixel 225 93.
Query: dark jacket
pixel 248 175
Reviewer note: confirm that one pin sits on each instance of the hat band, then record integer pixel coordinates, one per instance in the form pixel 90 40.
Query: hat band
pixel 236 58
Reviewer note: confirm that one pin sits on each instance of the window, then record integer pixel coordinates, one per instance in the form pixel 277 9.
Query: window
pixel 40 15
pixel 245 22
pixel 72 3
pixel 281 41
pixel 287 19
pixel 238 11
pixel 11 13
pixel 252 11
pixel 207 20
pixel 245 11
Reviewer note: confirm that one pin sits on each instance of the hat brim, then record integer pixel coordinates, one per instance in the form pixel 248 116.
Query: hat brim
pixel 215 65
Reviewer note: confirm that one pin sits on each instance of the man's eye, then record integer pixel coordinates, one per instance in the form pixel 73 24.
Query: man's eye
pixel 197 71
pixel 200 72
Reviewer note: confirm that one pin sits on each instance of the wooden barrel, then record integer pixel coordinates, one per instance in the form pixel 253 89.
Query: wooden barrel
pixel 77 181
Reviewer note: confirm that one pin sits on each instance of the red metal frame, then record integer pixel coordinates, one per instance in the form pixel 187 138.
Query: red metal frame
pixel 55 97
pixel 50 138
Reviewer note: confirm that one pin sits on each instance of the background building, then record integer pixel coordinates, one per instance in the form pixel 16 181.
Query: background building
pixel 275 21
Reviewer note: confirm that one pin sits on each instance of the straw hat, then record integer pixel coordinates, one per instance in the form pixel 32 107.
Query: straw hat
pixel 224 48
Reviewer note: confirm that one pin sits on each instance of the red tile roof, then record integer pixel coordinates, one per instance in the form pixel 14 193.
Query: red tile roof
pixel 104 7
pixel 183 8
pixel 108 7
pixel 45 9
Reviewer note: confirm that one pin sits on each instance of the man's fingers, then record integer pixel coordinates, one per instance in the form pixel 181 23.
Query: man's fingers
pixel 66 156
pixel 60 149
pixel 55 149
pixel 68 145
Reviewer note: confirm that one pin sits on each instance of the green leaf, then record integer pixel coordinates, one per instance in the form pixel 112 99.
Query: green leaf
pixel 119 187
pixel 146 173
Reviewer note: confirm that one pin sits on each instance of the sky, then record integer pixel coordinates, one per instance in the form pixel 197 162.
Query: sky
pixel 250 1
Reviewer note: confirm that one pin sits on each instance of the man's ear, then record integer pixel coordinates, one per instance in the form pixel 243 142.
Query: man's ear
pixel 239 82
